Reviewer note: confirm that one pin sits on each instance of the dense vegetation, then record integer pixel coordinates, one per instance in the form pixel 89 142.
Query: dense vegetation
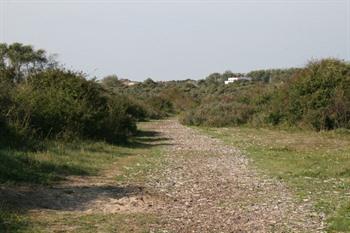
pixel 314 97
pixel 41 100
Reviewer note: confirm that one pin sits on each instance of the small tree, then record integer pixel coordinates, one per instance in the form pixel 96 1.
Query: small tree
pixel 20 60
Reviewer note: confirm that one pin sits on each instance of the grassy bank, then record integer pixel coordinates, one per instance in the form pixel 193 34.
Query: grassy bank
pixel 314 165
pixel 18 169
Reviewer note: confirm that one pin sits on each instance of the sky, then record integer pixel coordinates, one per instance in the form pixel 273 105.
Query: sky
pixel 170 40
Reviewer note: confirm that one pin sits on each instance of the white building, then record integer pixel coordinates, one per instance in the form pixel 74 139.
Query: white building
pixel 128 82
pixel 234 79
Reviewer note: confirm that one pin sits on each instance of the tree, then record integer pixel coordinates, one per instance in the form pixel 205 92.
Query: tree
pixel 20 60
pixel 111 82
pixel 149 82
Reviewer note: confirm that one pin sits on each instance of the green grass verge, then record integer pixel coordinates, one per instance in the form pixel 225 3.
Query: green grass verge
pixel 316 165
pixel 59 160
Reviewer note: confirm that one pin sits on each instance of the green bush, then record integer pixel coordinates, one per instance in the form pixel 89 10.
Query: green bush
pixel 56 103
pixel 119 123
pixel 318 97
pixel 7 135
pixel 217 114
pixel 315 97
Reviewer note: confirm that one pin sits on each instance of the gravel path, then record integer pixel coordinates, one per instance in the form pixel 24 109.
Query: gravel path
pixel 209 187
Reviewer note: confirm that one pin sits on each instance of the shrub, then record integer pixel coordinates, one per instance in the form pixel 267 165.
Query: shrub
pixel 218 114
pixel 56 103
pixel 319 96
pixel 316 97
pixel 119 123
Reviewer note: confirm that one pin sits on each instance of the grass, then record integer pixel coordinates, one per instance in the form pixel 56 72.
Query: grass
pixel 59 160
pixel 12 220
pixel 136 170
pixel 316 165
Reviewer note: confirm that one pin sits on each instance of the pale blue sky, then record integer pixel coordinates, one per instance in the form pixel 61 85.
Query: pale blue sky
pixel 179 39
